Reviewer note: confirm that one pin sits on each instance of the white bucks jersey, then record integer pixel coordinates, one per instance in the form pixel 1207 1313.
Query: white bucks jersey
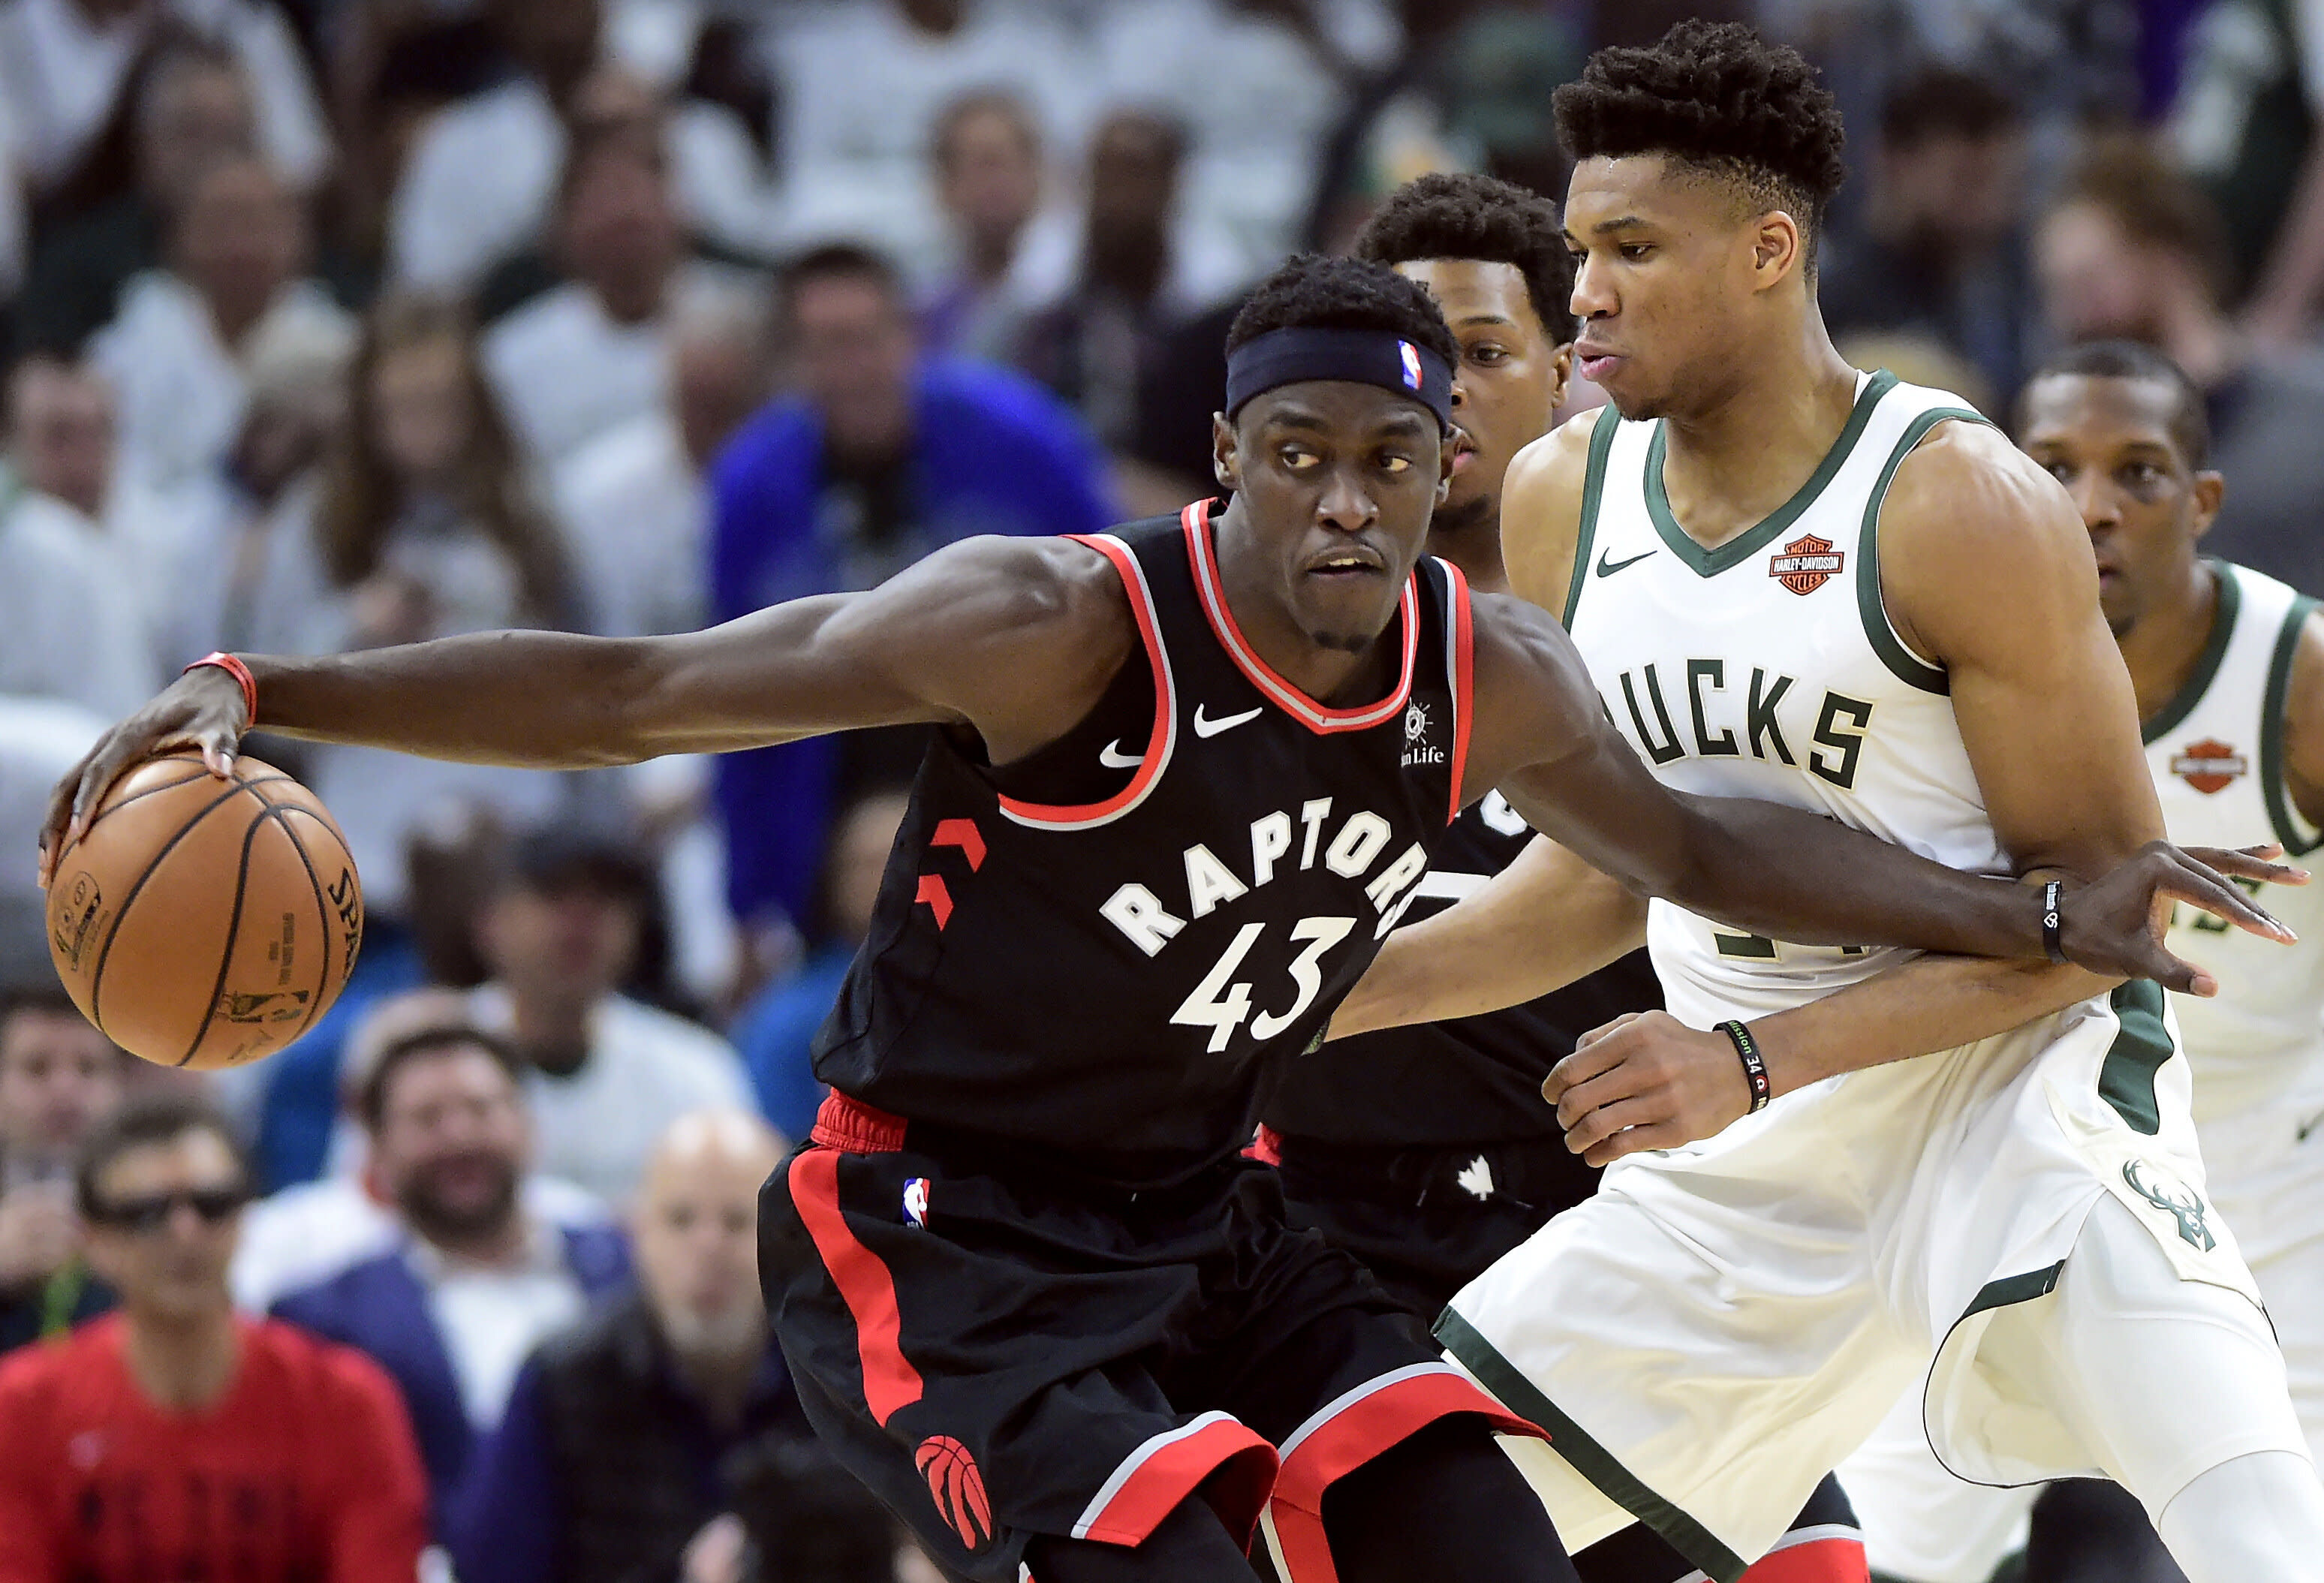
pixel 2216 752
pixel 1767 668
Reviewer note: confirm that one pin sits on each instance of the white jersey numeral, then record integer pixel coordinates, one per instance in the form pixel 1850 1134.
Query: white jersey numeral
pixel 1207 1008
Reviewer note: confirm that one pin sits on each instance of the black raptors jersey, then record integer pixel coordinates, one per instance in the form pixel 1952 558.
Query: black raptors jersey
pixel 1107 951
pixel 1474 1080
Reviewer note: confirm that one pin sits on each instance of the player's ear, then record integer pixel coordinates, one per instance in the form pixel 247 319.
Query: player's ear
pixel 1561 375
pixel 1226 465
pixel 2210 488
pixel 1777 249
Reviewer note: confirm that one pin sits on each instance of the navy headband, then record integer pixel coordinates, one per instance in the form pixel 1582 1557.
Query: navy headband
pixel 1366 357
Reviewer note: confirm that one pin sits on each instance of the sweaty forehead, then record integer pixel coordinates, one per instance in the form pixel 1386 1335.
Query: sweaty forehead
pixel 2101 410
pixel 1652 189
pixel 1342 409
pixel 1471 290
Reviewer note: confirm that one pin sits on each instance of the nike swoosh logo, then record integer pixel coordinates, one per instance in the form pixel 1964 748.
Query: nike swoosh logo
pixel 1211 728
pixel 1607 568
pixel 1113 758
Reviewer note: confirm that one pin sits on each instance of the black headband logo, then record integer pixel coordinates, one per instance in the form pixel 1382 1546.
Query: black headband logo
pixel 1371 357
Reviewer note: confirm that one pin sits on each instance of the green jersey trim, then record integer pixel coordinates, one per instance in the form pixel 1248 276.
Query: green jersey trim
pixel 2280 811
pixel 2207 664
pixel 2011 1290
pixel 2126 1076
pixel 1593 490
pixel 1907 666
pixel 1709 563
pixel 1593 1461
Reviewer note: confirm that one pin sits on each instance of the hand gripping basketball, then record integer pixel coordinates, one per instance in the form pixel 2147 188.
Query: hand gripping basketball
pixel 2115 925
pixel 205 708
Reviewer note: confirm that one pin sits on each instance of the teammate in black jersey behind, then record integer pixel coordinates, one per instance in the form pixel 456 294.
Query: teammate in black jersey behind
pixel 1029 1289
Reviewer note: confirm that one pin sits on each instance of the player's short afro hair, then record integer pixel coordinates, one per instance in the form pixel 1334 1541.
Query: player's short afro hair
pixel 1460 215
pixel 1313 291
pixel 1717 96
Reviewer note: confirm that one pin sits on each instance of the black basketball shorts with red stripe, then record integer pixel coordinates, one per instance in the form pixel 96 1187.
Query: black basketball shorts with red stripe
pixel 1001 1354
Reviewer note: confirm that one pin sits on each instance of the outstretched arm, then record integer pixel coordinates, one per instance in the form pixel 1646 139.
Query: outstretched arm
pixel 1788 873
pixel 2046 713
pixel 1537 925
pixel 1015 638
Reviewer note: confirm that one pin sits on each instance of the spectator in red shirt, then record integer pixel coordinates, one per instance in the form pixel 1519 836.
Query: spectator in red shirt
pixel 175 1439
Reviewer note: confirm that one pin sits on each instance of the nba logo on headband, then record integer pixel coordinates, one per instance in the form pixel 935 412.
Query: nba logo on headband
pixel 1411 354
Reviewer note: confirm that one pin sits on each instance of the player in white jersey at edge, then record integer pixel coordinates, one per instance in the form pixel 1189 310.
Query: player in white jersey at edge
pixel 2228 667
pixel 1796 581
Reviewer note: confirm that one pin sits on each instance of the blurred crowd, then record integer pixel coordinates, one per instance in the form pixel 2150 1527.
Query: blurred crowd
pixel 329 324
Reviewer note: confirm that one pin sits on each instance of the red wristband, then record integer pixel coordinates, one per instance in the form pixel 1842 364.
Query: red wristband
pixel 240 672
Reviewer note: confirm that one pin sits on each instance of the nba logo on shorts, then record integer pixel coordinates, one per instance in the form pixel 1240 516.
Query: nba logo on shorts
pixel 1411 355
pixel 916 1201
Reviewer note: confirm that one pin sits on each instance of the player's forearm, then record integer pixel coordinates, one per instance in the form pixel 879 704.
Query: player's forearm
pixel 534 699
pixel 1928 1003
pixel 1789 874
pixel 1544 922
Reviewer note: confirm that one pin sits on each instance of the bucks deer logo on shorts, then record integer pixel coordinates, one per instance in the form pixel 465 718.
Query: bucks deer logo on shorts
pixel 2173 1198
pixel 957 1488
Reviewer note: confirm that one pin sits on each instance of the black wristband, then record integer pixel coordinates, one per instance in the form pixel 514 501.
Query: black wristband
pixel 1755 1069
pixel 2052 944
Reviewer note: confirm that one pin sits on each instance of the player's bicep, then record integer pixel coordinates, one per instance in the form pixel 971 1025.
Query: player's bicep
pixel 1541 513
pixel 1985 570
pixel 970 634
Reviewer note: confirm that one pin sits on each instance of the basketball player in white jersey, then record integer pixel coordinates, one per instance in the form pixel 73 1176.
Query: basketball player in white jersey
pixel 1796 581
pixel 2228 667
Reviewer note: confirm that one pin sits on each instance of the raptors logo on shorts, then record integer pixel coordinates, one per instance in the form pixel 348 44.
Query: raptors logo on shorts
pixel 957 1488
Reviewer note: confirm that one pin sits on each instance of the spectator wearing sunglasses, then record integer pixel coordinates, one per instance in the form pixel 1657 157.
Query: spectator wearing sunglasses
pixel 176 1439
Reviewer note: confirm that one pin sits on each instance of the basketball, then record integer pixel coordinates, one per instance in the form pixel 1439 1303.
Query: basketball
pixel 204 922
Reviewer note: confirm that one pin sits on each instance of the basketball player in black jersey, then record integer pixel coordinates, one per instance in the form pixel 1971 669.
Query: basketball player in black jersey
pixel 1028 1288
pixel 1428 1151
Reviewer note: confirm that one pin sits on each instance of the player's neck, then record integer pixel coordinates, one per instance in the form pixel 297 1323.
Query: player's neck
pixel 1474 546
pixel 2164 645
pixel 182 1364
pixel 1729 463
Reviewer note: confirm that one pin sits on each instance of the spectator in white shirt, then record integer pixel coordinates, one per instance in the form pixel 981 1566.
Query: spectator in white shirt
pixel 987 156
pixel 607 1073
pixel 65 64
pixel 861 83
pixel 72 623
pixel 308 1233
pixel 473 1282
pixel 481 176
pixel 194 108
pixel 635 501
pixel 237 249
pixel 594 353
pixel 421 525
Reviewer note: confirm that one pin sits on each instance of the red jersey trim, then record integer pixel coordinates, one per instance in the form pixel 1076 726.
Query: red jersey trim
pixel 891 1383
pixel 1315 716
pixel 1160 739
pixel 1459 668
pixel 1352 1431
pixel 1153 1478
pixel 1827 1554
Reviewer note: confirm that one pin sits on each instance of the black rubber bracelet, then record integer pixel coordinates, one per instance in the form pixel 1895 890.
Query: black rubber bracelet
pixel 2050 943
pixel 1755 1069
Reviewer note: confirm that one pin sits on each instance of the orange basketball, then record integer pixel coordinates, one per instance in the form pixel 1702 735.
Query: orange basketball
pixel 204 922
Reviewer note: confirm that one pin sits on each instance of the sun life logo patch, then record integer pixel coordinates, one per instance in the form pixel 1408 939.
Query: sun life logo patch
pixel 2209 765
pixel 1806 564
pixel 1417 748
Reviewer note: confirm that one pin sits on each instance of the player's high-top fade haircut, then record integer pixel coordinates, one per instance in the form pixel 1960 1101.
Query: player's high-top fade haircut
pixel 1313 292
pixel 1720 98
pixel 1462 216
pixel 2191 420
